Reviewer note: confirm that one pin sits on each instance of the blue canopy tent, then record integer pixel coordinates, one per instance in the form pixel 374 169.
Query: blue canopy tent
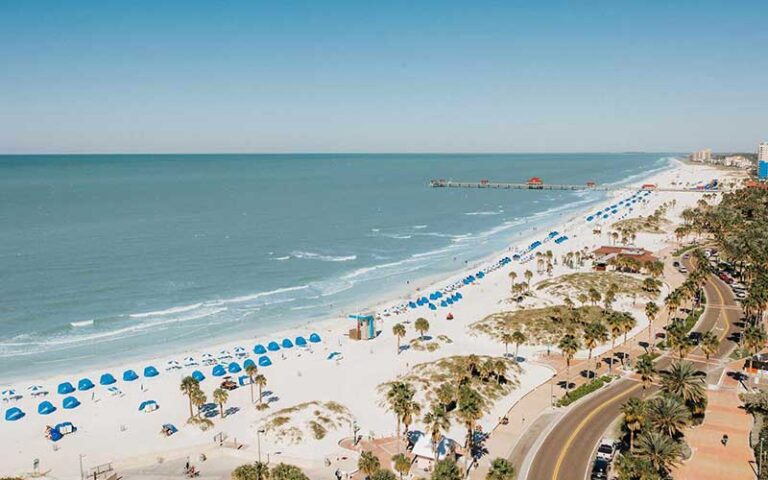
pixel 433 296
pixel 287 343
pixel 218 371
pixel 264 361
pixel 412 304
pixel 420 302
pixel 107 379
pixel 553 234
pixel 65 388
pixel 449 301
pixel 247 363
pixel 443 304
pixel 301 341
pixel 459 295
pixel 45 408
pixel 480 274
pixel 150 372
pixel 198 375
pixel 590 218
pixel 13 414
pixel 432 306
pixel 314 338
pixel 148 406
pixel 233 367
pixel 273 346
pixel 70 402
pixel 84 384
pixel 259 349
pixel 130 375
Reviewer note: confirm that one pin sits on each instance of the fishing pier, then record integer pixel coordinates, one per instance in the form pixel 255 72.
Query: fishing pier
pixel 536 183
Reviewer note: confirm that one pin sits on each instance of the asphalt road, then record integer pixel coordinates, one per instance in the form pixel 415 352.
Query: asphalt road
pixel 567 453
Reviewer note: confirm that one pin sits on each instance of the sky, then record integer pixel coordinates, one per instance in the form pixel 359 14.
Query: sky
pixel 107 76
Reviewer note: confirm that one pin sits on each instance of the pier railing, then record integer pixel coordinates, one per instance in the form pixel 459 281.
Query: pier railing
pixel 554 186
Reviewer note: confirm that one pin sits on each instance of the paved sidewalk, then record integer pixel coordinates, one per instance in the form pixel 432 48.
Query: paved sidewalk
pixel 710 459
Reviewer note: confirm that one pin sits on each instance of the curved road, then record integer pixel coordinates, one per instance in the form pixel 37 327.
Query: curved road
pixel 567 451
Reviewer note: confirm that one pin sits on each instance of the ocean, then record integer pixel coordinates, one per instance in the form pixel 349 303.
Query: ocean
pixel 105 258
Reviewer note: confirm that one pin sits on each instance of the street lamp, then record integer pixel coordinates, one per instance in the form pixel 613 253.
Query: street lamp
pixel 258 441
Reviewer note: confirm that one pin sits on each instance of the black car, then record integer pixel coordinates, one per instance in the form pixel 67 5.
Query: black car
pixel 695 337
pixel 600 470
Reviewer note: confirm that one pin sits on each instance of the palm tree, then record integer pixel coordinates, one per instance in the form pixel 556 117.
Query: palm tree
pixel 261 381
pixel 198 399
pixel 615 324
pixel 437 422
pixel 188 387
pixel 398 330
pixel 646 370
pixel 422 326
pixel 528 276
pixel 651 310
pixel 627 324
pixel 595 334
pixel 251 370
pixel 518 337
pixel 513 277
pixel 501 469
pixel 446 469
pixel 283 471
pixel 246 472
pixel 470 410
pixel 668 415
pixel 569 345
pixel 368 463
pixel 709 344
pixel 582 298
pixel 506 339
pixel 445 394
pixel 383 474
pixel 634 417
pixel 220 396
pixel 754 340
pixel 594 295
pixel 662 451
pixel 683 381
pixel 402 464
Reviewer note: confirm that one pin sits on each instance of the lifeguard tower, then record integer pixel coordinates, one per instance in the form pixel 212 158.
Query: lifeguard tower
pixel 365 326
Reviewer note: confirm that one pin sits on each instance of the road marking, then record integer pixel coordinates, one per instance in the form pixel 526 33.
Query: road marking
pixel 725 316
pixel 581 425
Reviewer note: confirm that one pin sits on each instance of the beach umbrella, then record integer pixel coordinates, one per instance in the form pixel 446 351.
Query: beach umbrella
pixel 107 379
pixel 150 372
pixel 70 402
pixel 65 388
pixel 172 365
pixel 264 361
pixel 8 394
pixel 148 406
pixel 259 349
pixel 240 351
pixel 287 343
pixel 233 367
pixel 314 338
pixel 198 375
pixel 301 341
pixel 247 363
pixel 45 408
pixel 13 414
pixel 273 346
pixel 189 362
pixel 225 354
pixel 84 384
pixel 218 371
pixel 208 358
pixel 129 376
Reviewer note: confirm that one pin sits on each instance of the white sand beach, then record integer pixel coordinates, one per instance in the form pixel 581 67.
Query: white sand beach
pixel 111 429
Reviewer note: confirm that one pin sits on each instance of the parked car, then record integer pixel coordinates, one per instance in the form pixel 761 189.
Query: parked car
pixel 607 449
pixel 675 264
pixel 695 337
pixel 228 384
pixel 600 469
pixel 682 269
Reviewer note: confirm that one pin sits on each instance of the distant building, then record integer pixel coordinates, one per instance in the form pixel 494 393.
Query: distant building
pixel 605 255
pixel 762 152
pixel 701 156
pixel 762 169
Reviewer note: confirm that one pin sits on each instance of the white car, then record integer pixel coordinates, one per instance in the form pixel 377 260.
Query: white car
pixel 607 449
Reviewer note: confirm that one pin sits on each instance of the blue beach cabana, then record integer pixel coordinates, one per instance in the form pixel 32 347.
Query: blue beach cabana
pixel 247 363
pixel 150 372
pixel 259 349
pixel 432 306
pixel 287 343
pixel 148 406
pixel 412 304
pixel 130 375
pixel 107 379
pixel 273 346
pixel 264 361
pixel 314 338
pixel 65 388
pixel 198 375
pixel 13 414
pixel 84 384
pixel 45 408
pixel 218 371
pixel 70 402
pixel 301 341
pixel 233 367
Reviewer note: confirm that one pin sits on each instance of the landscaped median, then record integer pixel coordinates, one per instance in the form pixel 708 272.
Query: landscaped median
pixel 585 389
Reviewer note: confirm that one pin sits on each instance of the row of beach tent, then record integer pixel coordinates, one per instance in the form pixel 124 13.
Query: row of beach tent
pixel 614 209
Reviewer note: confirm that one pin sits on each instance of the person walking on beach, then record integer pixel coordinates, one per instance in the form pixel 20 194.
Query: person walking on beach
pixel 724 440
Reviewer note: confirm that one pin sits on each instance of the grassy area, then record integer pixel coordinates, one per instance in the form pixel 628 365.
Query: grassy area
pixel 584 389
pixel 573 284
pixel 683 250
pixel 309 419
pixel 540 325
pixel 428 377
pixel 642 224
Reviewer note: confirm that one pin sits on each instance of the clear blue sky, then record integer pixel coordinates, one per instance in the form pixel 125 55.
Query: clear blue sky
pixel 382 76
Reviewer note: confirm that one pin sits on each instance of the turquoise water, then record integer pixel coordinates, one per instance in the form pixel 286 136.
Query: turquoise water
pixel 109 257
